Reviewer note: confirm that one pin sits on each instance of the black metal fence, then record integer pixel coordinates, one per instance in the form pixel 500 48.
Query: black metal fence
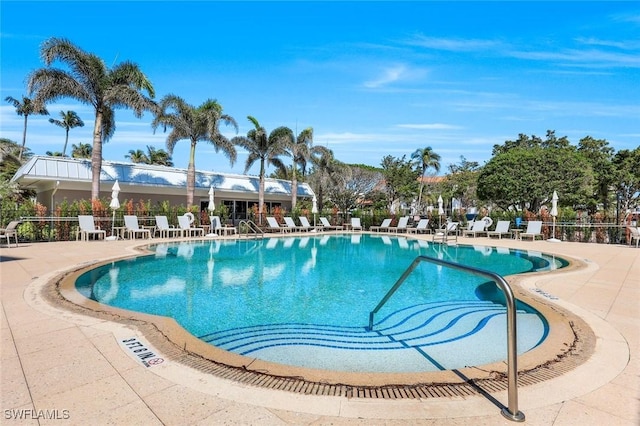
pixel 64 228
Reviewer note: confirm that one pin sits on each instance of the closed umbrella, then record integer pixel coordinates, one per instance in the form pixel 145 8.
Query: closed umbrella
pixel 554 213
pixel 440 209
pixel 115 205
pixel 212 205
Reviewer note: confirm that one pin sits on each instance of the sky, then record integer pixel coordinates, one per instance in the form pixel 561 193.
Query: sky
pixel 371 78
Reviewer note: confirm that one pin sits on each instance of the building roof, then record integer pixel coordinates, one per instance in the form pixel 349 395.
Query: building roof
pixel 42 171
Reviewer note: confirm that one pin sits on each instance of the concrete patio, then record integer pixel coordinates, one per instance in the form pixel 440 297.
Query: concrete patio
pixel 63 367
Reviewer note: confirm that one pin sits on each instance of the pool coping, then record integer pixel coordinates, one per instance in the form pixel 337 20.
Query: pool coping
pixel 570 343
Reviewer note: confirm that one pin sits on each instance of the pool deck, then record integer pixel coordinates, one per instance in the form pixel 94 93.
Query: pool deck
pixel 64 365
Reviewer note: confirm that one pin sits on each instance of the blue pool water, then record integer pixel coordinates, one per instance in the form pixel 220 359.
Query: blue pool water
pixel 305 301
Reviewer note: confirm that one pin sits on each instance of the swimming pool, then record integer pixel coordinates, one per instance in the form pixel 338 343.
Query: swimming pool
pixel 305 301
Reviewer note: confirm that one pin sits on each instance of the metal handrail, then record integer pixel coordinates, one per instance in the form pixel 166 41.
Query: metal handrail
pixel 511 412
pixel 250 225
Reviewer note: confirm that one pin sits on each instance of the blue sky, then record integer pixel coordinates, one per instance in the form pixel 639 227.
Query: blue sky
pixel 371 78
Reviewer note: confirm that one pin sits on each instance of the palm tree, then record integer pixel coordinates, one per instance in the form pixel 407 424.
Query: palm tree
pixel 91 82
pixel 426 159
pixel 69 121
pixel 300 150
pixel 26 108
pixel 194 124
pixel 265 148
pixel 137 156
pixel 82 150
pixel 159 156
pixel 325 171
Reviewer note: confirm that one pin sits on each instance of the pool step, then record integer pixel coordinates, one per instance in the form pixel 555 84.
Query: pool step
pixel 419 326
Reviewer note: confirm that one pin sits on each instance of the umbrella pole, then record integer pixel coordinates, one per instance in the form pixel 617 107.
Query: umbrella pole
pixel 113 224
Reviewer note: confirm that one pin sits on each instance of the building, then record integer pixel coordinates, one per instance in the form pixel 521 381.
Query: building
pixel 57 178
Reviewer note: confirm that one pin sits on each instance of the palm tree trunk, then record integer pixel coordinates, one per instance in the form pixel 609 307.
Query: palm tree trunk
pixel 96 157
pixel 294 187
pixel 191 174
pixel 66 140
pixel 24 137
pixel 261 192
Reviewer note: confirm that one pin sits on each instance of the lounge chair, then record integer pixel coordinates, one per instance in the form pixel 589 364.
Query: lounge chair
pixel 164 229
pixel 447 233
pixel 479 227
pixel 217 228
pixel 187 229
pixel 634 234
pixel 384 226
pixel 502 228
pixel 356 225
pixel 421 228
pixel 534 229
pixel 305 223
pixel 289 222
pixel 326 225
pixel 133 228
pixel 88 228
pixel 10 231
pixel 273 226
pixel 402 226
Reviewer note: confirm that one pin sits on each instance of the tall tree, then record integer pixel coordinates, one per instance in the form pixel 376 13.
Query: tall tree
pixel 159 157
pixel 325 173
pixel 300 151
pixel 82 150
pixel 525 178
pixel 89 81
pixel 264 148
pixel 195 125
pixel 426 159
pixel 401 179
pixel 69 120
pixel 9 162
pixel 600 155
pixel 137 156
pixel 24 109
pixel 462 181
pixel 626 165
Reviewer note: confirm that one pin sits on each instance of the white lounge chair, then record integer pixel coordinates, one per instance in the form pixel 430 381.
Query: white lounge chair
pixel 10 231
pixel 502 228
pixel 133 228
pixel 384 226
pixel 187 229
pixel 449 232
pixel 356 225
pixel 479 227
pixel 164 229
pixel 634 234
pixel 421 228
pixel 217 228
pixel 402 226
pixel 88 228
pixel 534 230
pixel 327 226
pixel 305 223
pixel 273 226
pixel 289 222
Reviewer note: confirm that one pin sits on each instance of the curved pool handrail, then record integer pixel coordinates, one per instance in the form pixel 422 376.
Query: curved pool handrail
pixel 511 412
pixel 250 227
